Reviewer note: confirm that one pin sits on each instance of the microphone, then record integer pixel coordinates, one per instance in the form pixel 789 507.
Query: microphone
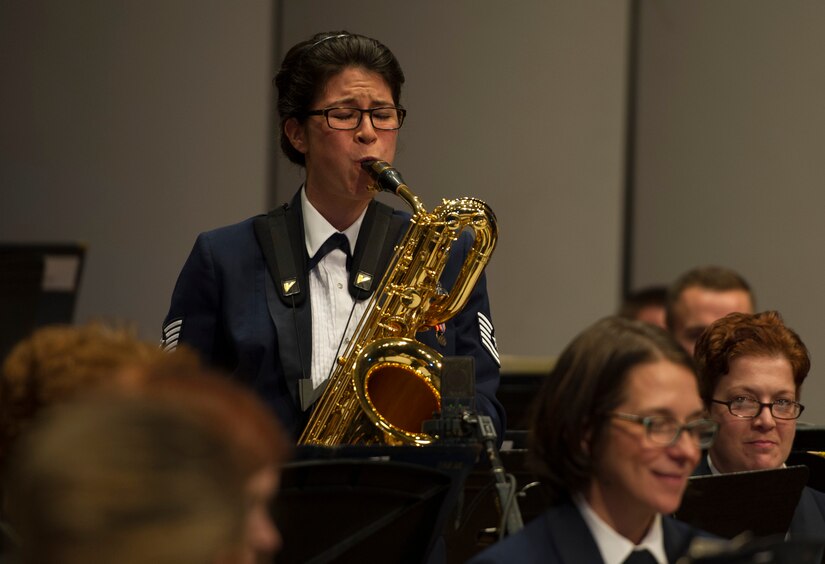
pixel 458 421
pixel 457 401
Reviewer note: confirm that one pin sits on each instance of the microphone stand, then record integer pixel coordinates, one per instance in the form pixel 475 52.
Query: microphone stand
pixel 511 521
pixel 480 427
pixel 459 421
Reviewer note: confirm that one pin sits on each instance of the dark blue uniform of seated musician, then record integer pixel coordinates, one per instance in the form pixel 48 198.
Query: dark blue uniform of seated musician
pixel 751 368
pixel 269 299
pixel 617 431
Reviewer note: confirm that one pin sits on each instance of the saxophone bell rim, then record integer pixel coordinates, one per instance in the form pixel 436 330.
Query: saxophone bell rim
pixel 419 359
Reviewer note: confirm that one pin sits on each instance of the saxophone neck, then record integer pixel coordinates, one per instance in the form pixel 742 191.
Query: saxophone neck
pixel 412 200
pixel 388 179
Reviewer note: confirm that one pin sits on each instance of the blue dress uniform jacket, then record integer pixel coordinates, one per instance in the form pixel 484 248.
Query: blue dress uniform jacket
pixel 226 306
pixel 561 536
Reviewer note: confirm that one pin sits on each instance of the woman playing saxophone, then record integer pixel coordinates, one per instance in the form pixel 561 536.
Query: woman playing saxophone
pixel 275 299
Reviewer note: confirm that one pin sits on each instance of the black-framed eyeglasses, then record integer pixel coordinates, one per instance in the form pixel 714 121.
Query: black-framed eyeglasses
pixel 748 408
pixel 387 118
pixel 665 430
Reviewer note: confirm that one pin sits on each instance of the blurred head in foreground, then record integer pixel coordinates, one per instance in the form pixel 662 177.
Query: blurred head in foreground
pixel 58 363
pixel 257 442
pixel 61 364
pixel 113 479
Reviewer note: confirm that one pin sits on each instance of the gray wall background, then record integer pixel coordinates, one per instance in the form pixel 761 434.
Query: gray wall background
pixel 134 125
pixel 730 146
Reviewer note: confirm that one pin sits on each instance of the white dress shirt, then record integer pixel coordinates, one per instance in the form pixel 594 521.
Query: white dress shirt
pixel 615 548
pixel 330 300
pixel 715 471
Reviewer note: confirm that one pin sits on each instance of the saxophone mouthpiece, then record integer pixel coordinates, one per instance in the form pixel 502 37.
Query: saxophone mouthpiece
pixel 387 178
pixel 367 166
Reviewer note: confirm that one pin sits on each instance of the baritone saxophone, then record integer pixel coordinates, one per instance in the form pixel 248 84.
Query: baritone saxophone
pixel 386 384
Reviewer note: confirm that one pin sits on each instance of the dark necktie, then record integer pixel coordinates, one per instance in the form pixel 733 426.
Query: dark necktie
pixel 640 557
pixel 335 241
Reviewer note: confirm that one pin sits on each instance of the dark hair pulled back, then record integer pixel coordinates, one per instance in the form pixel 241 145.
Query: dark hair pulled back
pixel 308 66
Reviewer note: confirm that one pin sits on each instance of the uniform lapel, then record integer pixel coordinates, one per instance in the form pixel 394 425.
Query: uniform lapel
pixel 572 538
pixel 808 520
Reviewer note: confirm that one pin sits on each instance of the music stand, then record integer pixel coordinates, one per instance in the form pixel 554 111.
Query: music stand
pixel 761 501
pixel 809 449
pixel 816 465
pixel 809 438
pixel 359 504
pixel 38 286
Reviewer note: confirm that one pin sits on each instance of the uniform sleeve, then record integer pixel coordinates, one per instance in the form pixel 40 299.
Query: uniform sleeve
pixel 194 313
pixel 475 336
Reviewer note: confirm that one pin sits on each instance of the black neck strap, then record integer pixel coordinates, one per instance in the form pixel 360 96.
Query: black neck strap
pixel 369 250
pixel 281 237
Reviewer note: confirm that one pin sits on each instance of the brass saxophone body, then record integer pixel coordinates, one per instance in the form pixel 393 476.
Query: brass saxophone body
pixel 386 384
